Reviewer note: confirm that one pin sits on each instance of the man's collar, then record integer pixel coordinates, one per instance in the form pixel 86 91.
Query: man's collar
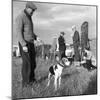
pixel 27 13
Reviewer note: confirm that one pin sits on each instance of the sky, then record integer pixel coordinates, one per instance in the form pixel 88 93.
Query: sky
pixel 50 19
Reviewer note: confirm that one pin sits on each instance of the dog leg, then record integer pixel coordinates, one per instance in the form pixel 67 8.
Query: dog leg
pixel 59 81
pixel 55 82
pixel 49 79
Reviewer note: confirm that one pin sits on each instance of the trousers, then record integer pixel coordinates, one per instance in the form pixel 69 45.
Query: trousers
pixel 28 63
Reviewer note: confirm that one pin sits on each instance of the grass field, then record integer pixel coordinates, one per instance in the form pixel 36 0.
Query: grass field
pixel 75 81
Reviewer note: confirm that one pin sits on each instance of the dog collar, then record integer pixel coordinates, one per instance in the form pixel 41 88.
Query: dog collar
pixel 61 64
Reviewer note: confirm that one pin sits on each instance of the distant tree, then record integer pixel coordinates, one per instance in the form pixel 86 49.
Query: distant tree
pixel 43 50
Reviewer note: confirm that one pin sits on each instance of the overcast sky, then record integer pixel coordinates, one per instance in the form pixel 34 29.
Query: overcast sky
pixel 50 19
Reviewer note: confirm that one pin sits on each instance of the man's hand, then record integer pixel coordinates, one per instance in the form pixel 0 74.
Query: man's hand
pixel 38 39
pixel 25 49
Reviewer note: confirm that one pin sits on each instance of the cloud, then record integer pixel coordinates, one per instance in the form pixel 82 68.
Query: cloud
pixel 51 19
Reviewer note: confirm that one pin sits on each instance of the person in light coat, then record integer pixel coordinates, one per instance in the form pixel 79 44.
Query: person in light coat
pixel 76 43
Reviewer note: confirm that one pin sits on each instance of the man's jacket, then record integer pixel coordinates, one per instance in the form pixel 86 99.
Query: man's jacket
pixel 24 28
pixel 76 39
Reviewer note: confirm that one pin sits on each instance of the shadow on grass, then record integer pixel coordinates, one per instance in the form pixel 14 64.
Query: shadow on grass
pixel 92 88
pixel 42 79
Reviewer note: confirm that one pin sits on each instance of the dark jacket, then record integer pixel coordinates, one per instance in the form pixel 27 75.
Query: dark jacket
pixel 84 34
pixel 24 28
pixel 76 39
pixel 61 41
pixel 76 44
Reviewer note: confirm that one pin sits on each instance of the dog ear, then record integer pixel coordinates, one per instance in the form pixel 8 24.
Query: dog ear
pixel 63 59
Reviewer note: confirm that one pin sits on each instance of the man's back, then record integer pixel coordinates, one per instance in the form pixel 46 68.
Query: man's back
pixel 76 38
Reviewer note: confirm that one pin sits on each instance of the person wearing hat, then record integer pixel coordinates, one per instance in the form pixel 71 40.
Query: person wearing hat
pixel 62 45
pixel 26 37
pixel 76 43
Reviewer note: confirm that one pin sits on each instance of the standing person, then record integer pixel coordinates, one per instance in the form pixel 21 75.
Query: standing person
pixel 84 37
pixel 26 37
pixel 53 48
pixel 62 45
pixel 76 43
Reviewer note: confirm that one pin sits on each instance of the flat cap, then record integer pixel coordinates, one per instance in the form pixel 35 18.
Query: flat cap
pixel 63 33
pixel 73 27
pixel 31 5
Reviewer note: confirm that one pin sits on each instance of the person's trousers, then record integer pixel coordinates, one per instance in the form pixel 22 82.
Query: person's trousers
pixel 28 63
pixel 32 55
pixel 77 53
pixel 61 54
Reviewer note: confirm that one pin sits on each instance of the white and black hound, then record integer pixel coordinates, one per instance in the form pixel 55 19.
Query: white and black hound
pixel 56 71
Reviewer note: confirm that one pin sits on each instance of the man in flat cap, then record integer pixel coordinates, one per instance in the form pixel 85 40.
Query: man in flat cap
pixel 26 37
pixel 76 43
pixel 62 45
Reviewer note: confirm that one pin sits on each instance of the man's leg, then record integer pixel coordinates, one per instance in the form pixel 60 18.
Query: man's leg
pixel 77 55
pixel 32 61
pixel 63 54
pixel 60 55
pixel 82 51
pixel 25 71
pixel 75 52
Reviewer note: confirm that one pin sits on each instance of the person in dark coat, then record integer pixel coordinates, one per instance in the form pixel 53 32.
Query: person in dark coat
pixel 85 41
pixel 62 45
pixel 26 37
pixel 76 44
pixel 84 35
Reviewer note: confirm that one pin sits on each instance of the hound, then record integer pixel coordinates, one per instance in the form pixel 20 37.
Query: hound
pixel 56 71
